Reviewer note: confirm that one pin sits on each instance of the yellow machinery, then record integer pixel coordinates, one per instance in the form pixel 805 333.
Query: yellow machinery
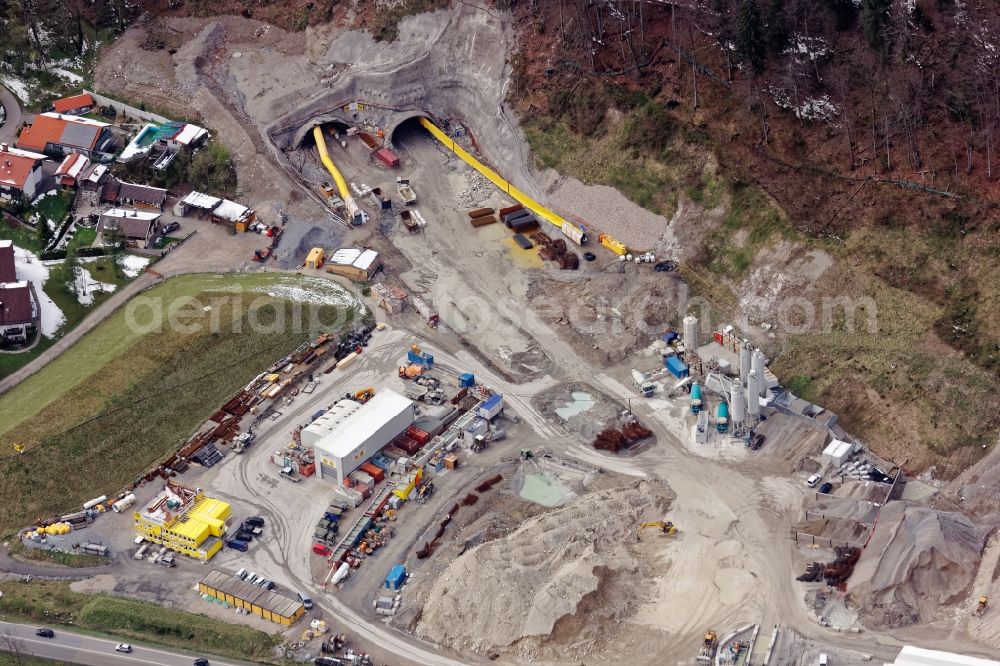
pixel 667 528
pixel 345 193
pixel 365 394
pixel 18 448
pixel 571 230
pixel 981 606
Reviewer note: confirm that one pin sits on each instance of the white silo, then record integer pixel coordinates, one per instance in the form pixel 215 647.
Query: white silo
pixel 745 351
pixel 757 365
pixel 753 394
pixel 691 333
pixel 739 406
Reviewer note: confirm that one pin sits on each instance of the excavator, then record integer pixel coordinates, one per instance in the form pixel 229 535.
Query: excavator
pixel 365 394
pixel 667 528
pixel 981 606
pixel 708 645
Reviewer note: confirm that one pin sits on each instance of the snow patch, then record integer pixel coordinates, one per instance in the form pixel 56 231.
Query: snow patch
pixel 86 287
pixel 72 77
pixel 316 291
pixel 29 268
pixel 810 108
pixel 16 86
pixel 133 264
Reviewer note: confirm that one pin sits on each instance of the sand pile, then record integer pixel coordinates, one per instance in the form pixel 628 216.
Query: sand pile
pixel 565 577
pixel 917 561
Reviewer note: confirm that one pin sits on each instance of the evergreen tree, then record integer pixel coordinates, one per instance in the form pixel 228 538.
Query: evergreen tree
pixel 874 20
pixel 777 33
pixel 750 36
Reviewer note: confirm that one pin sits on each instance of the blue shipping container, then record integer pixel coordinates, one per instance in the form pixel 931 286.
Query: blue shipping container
pixel 466 380
pixel 676 367
pixel 670 336
pixel 396 577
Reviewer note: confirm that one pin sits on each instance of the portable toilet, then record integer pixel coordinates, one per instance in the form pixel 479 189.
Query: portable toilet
pixel 722 417
pixel 695 398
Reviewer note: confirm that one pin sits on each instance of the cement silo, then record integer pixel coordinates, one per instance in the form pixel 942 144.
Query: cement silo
pixel 738 404
pixel 753 395
pixel 691 333
pixel 745 351
pixel 757 365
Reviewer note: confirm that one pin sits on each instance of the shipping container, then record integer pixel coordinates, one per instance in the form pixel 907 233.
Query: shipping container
pixel 387 157
pixel 376 472
pixel 523 242
pixel 368 140
pixel 480 212
pixel 510 209
pixel 516 215
pixel 417 434
pixel 524 224
pixel 483 221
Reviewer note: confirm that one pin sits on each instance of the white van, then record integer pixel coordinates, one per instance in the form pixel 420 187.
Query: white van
pixel 824 660
pixel 811 482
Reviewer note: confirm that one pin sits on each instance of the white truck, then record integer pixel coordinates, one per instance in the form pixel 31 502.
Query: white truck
pixel 642 384
pixel 406 192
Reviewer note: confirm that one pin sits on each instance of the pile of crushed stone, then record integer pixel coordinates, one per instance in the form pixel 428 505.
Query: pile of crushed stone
pixel 566 577
pixel 918 561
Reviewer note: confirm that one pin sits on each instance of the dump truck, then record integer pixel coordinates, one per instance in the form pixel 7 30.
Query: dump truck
pixel 981 606
pixel 406 192
pixel 708 645
pixel 642 384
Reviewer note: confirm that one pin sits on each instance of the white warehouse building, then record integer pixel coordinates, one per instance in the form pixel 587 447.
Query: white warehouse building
pixel 353 433
pixel 914 656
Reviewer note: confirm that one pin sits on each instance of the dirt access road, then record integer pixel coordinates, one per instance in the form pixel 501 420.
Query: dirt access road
pixel 8 131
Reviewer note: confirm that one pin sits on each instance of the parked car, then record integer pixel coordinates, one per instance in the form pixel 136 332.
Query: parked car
pixel 757 441
pixel 201 661
pixel 813 480
pixel 170 228
pixel 45 632
pixel 256 521
pixel 306 601
pixel 589 256
pixel 123 647
pixel 826 488
pixel 241 574
pixel 236 544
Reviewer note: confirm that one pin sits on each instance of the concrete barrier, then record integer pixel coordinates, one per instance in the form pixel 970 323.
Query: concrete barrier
pixel 127 109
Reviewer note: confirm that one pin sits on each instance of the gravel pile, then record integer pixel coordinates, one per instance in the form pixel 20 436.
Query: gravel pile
pixel 918 561
pixel 610 212
pixel 572 567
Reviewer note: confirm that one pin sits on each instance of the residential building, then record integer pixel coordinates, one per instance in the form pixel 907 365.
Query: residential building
pixel 136 227
pixel 70 170
pixel 57 134
pixel 131 194
pixel 17 313
pixel 8 271
pixel 184 520
pixel 20 174
pixel 76 105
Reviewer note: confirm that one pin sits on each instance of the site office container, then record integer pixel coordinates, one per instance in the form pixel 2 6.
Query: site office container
pixel 387 157
pixel 374 471
pixel 415 433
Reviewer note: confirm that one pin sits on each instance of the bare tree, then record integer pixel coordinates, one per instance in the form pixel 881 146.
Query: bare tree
pixel 12 644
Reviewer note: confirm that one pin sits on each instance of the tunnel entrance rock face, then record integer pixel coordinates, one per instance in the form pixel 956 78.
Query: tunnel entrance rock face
pixel 388 120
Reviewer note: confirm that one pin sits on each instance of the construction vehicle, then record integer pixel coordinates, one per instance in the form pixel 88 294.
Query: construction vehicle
pixel 411 371
pixel 405 191
pixel 708 645
pixel 365 394
pixel 981 606
pixel 667 528
pixel 18 448
pixel 642 384
pixel 425 492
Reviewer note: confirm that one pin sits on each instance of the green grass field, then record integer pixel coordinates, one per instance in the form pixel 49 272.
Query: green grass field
pixel 54 604
pixel 121 399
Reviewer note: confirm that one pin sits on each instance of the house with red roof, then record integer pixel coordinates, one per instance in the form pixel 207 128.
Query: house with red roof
pixel 57 134
pixel 77 105
pixel 20 174
pixel 70 171
pixel 18 309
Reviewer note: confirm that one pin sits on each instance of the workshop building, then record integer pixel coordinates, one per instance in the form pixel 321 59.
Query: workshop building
pixel 346 441
pixel 262 603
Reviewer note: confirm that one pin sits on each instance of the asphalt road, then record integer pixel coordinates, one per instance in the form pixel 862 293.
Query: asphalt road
pixel 81 649
pixel 8 131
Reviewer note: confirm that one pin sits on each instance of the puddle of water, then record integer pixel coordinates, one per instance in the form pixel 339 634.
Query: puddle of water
pixel 582 401
pixel 543 488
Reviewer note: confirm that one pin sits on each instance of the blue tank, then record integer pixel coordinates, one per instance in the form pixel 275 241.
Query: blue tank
pixel 722 417
pixel 695 398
